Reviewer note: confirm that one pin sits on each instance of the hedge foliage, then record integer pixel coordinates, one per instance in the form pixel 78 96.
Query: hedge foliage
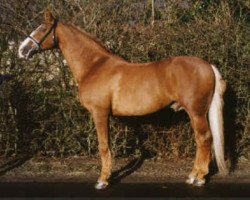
pixel 39 108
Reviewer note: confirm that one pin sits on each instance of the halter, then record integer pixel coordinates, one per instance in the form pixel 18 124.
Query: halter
pixel 38 44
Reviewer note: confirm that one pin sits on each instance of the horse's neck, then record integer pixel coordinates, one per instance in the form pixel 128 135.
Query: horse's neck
pixel 80 51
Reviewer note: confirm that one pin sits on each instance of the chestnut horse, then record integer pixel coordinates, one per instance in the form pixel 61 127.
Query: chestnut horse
pixel 109 84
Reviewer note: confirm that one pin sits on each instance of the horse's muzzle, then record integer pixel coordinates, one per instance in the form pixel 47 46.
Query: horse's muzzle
pixel 27 52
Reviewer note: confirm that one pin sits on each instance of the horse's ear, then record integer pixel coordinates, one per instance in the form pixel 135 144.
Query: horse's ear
pixel 48 17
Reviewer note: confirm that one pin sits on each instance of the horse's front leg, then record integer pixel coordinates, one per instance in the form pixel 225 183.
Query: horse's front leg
pixel 100 117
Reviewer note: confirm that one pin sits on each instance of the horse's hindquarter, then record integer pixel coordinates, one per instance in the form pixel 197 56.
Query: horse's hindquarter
pixel 140 89
pixel 194 83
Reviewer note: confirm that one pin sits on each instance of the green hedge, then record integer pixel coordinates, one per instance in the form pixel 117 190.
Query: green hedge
pixel 40 112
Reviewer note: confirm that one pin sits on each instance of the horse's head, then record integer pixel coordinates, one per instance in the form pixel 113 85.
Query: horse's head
pixel 42 38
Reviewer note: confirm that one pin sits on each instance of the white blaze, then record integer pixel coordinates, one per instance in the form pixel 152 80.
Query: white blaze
pixel 25 43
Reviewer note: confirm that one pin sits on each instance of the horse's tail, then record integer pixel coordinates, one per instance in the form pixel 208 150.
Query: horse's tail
pixel 215 115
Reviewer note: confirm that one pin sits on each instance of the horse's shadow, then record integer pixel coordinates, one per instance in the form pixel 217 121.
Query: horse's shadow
pixel 230 126
pixel 125 171
pixel 14 163
pixel 19 100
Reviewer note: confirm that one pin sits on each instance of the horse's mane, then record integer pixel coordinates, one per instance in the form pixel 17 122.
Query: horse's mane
pixel 98 44
pixel 92 38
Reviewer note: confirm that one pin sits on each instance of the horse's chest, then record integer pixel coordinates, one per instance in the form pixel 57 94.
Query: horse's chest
pixel 91 97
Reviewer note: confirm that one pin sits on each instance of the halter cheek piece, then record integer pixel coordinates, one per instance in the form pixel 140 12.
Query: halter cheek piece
pixel 38 43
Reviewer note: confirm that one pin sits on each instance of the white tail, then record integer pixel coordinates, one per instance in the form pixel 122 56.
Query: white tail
pixel 215 115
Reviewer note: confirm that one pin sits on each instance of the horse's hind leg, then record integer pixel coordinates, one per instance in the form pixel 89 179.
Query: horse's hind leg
pixel 101 123
pixel 203 150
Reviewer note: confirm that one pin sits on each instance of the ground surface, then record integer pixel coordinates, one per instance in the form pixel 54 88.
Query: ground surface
pixel 75 176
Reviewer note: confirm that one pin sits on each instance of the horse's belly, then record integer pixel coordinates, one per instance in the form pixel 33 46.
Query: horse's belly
pixel 136 106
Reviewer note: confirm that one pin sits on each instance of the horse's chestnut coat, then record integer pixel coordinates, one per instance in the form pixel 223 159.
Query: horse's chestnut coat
pixel 109 84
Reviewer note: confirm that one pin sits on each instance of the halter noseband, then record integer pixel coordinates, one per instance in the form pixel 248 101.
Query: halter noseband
pixel 38 44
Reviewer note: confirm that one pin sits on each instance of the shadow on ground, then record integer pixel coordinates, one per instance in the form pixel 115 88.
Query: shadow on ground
pixel 123 190
pixel 13 163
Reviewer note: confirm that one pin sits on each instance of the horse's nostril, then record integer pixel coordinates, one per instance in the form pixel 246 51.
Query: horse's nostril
pixel 25 50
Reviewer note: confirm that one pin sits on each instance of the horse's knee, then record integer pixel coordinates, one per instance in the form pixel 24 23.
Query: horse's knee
pixel 104 150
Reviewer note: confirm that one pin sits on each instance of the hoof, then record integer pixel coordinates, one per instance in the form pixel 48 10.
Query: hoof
pixel 101 185
pixel 190 180
pixel 199 182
